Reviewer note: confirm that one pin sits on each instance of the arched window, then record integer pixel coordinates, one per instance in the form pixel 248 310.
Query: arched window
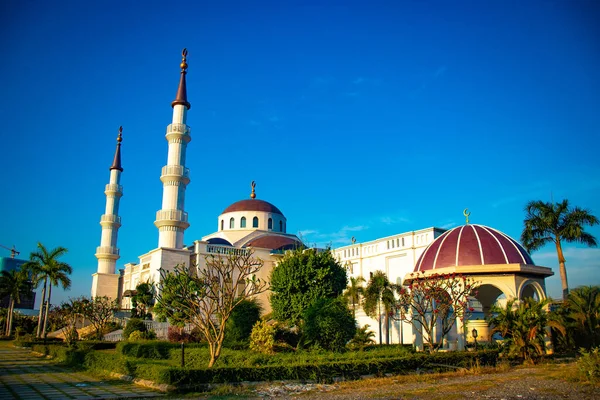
pixel 255 222
pixel 280 226
pixel 222 224
pixel 231 223
pixel 270 224
pixel 243 222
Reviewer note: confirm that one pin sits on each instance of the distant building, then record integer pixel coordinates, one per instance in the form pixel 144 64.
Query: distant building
pixel 27 299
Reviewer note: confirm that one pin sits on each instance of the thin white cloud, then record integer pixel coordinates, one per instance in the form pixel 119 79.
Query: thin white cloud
pixel 391 220
pixel 448 225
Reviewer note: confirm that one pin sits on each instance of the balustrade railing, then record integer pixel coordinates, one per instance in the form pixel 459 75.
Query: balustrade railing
pixel 175 170
pixel 107 250
pixel 111 187
pixel 176 215
pixel 179 128
pixel 110 218
pixel 218 249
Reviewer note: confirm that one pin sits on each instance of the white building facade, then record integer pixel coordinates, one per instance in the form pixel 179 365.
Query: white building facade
pixel 396 256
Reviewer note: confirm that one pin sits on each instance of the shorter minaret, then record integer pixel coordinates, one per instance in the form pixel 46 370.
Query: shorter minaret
pixel 105 281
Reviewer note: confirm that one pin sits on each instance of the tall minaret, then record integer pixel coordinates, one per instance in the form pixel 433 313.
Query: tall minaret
pixel 172 220
pixel 105 281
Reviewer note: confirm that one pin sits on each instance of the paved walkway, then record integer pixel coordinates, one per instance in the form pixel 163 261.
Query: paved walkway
pixel 26 377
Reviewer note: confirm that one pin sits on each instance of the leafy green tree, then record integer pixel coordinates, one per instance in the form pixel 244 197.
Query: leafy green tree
pixel 66 317
pixel 379 300
pixel 99 311
pixel 13 284
pixel 206 297
pixel 329 324
pixel 134 325
pixel 44 266
pixel 363 337
pixel 302 277
pixel 143 300
pixel 556 223
pixel 243 318
pixel 354 292
pixel 523 327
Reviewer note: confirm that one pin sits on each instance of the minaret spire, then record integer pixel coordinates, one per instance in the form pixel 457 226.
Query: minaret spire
pixel 172 220
pixel 117 160
pixel 181 97
pixel 106 281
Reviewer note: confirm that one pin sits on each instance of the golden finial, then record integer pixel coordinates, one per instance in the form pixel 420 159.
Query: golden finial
pixel 120 137
pixel 253 186
pixel 353 240
pixel 183 64
pixel 466 213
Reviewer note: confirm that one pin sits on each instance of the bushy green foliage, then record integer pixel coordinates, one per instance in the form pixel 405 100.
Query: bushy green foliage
pixel 242 319
pixel 262 337
pixel 581 316
pixel 65 355
pixel 329 324
pixel 134 324
pixel 588 365
pixel 302 277
pixel 139 335
pixel 362 338
pixel 523 327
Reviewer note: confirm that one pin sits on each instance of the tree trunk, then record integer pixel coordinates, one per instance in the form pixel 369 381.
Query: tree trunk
pixel 41 314
pixel 12 312
pixel 46 313
pixel 563 270
pixel 379 321
pixel 387 328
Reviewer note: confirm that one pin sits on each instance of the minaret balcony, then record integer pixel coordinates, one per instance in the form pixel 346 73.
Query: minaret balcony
pixel 110 219
pixel 176 218
pixel 113 188
pixel 107 250
pixel 178 172
pixel 179 132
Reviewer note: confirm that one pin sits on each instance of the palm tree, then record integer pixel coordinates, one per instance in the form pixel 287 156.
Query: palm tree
pixel 554 223
pixel 583 314
pixel 44 266
pixel 523 327
pixel 379 297
pixel 354 292
pixel 13 284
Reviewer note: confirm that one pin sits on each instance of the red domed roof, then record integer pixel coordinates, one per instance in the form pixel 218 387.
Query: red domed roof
pixel 252 205
pixel 274 242
pixel 472 245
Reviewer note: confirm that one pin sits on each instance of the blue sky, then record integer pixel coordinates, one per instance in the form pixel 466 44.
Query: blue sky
pixel 357 119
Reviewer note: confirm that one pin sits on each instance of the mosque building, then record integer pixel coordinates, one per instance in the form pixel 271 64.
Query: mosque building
pixel 499 264
pixel 246 224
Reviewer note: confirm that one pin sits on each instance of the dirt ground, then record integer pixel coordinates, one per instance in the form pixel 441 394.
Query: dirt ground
pixel 548 382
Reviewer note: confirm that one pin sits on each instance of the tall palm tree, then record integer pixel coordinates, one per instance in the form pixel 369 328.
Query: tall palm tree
pixel 44 266
pixel 379 298
pixel 13 284
pixel 354 292
pixel 554 223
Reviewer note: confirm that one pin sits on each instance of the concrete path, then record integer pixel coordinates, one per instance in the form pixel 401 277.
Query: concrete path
pixel 26 377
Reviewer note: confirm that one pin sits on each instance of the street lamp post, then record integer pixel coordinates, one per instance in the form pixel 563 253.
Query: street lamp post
pixel 474 333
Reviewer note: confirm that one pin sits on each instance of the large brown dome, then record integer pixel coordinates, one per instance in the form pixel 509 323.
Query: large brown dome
pixel 252 205
pixel 472 245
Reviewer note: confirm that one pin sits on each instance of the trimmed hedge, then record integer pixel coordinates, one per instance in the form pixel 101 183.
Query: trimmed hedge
pixel 162 373
pixel 325 372
pixel 61 353
pixel 155 350
pixel 31 343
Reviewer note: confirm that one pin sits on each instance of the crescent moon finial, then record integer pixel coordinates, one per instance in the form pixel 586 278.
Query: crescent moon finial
pixel 253 186
pixel 466 213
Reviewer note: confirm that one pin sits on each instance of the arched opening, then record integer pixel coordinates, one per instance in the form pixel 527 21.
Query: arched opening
pixel 530 290
pixel 243 222
pixel 222 224
pixel 270 224
pixel 231 223
pixel 255 222
pixel 488 295
pixel 280 226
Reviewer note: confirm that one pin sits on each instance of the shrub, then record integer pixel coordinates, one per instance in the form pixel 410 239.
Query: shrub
pixel 262 338
pixel 178 335
pixel 362 338
pixel 139 335
pixel 588 365
pixel 242 319
pixel 329 324
pixel 134 324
